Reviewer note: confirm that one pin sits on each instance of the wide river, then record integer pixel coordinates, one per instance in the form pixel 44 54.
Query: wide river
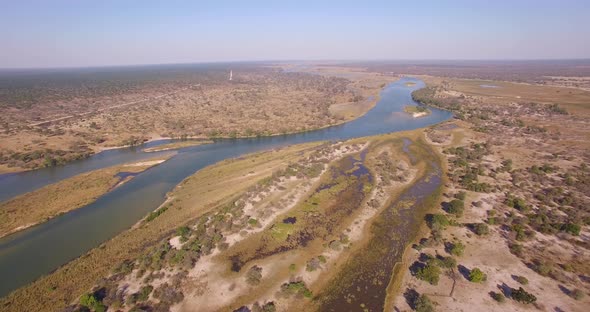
pixel 27 255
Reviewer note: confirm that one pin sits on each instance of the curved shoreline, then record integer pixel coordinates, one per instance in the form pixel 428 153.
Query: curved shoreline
pixel 133 200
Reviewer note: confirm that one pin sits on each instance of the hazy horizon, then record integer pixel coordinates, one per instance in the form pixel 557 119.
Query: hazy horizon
pixel 65 34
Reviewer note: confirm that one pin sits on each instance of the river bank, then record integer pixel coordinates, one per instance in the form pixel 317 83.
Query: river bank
pixel 41 205
pixel 144 194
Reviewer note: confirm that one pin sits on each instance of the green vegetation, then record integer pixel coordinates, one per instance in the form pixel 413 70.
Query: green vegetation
pixel 481 229
pixel 430 273
pixel 91 301
pixel 156 213
pixel 523 296
pixel 437 221
pixel 410 109
pixel 456 249
pixel 423 304
pixel 522 280
pixel 456 207
pixel 477 276
pixel 296 288
pixel 499 297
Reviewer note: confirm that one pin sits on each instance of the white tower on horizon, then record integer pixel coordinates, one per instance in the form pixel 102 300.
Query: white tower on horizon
pixel 230 75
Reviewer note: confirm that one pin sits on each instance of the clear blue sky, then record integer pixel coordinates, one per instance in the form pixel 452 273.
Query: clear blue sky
pixel 58 33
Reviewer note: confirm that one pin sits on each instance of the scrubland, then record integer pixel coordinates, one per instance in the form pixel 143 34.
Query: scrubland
pixel 66 120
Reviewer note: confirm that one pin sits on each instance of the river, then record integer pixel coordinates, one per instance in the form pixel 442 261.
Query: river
pixel 29 254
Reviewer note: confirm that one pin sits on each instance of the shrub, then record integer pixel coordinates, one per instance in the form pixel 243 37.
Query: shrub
pixel 254 275
pixel 499 297
pixel 461 195
pixel 269 307
pixel 296 288
pixel 155 214
pixel 477 276
pixel 456 207
pixel 577 294
pixel 542 267
pixel 481 229
pixel 516 249
pixel 521 279
pixel 571 228
pixel 457 249
pixel 183 231
pixel 429 273
pixel 438 221
pixel 523 296
pixel 144 293
pixel 90 301
pixel 423 304
pixel 517 203
pixel 448 262
pixel 313 265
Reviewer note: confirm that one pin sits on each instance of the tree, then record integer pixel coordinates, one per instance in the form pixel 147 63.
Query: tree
pixel 523 296
pixel 423 304
pixel 481 229
pixel 90 301
pixel 477 276
pixel 456 207
pixel 498 296
pixel 571 228
pixel 457 249
pixel 429 273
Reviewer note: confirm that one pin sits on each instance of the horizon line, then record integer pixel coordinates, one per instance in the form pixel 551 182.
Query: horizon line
pixel 296 60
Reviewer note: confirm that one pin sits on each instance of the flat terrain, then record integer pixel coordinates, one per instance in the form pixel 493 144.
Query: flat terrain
pixel 65 117
pixel 514 214
pixel 176 145
pixel 272 229
pixel 486 212
pixel 52 200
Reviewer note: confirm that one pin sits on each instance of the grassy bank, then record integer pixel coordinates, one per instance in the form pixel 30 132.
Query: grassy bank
pixel 177 145
pixel 38 206
pixel 208 189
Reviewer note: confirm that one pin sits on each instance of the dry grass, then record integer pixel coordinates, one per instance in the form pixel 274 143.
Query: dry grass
pixel 209 188
pixel 52 200
pixel 176 145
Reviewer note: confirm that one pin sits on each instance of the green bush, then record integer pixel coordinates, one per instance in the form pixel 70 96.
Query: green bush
pixel 523 296
pixel 461 195
pixel 438 221
pixel 296 288
pixel 90 301
pixel 481 229
pixel 477 276
pixel 430 273
pixel 448 262
pixel 144 293
pixel 457 249
pixel 498 297
pixel 423 304
pixel 523 280
pixel 571 228
pixel 456 207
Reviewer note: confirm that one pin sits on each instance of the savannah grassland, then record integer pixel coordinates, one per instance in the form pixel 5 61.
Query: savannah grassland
pixel 511 233
pixel 272 229
pixel 69 116
pixel 38 206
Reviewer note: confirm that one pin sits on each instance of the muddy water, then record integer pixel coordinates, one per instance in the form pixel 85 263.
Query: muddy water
pixel 364 280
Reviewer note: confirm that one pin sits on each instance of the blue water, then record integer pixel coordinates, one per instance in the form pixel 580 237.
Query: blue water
pixel 27 255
